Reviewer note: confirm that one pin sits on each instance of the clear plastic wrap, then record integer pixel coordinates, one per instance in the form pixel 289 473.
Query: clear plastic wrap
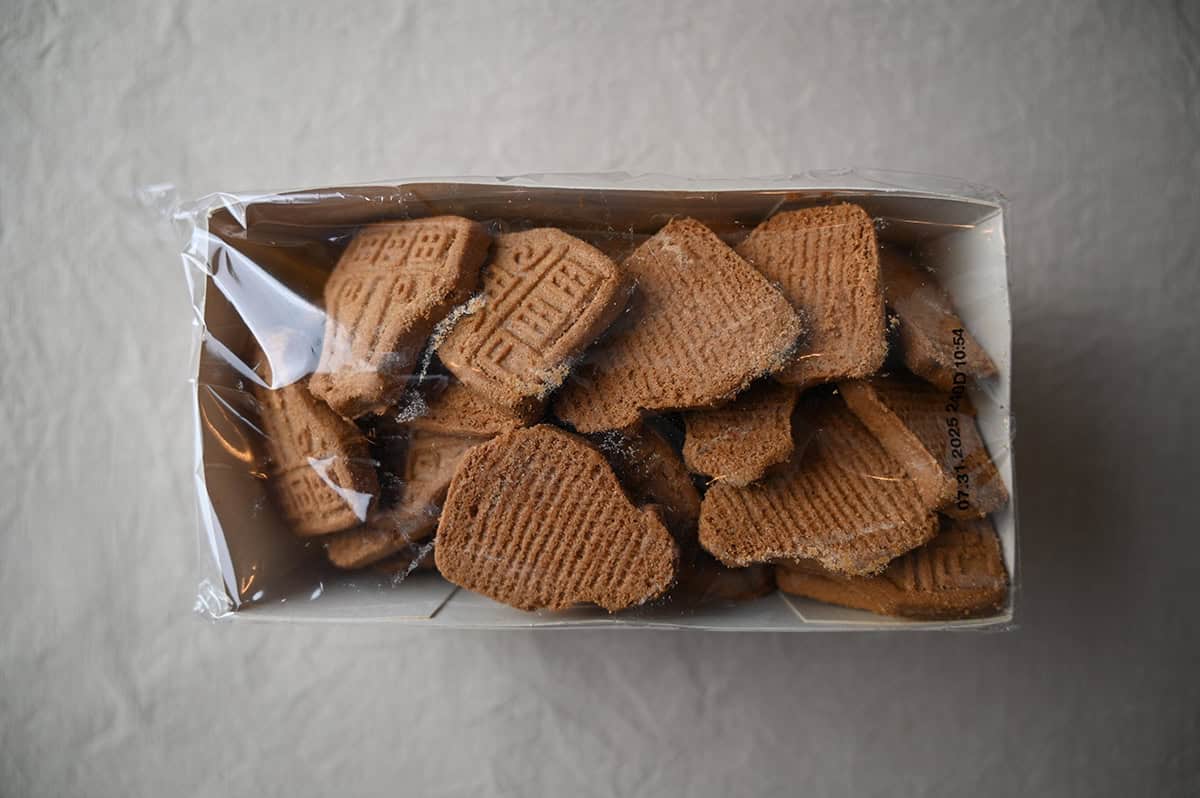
pixel 258 266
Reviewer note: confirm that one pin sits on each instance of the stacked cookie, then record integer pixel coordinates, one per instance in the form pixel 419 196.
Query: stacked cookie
pixel 697 423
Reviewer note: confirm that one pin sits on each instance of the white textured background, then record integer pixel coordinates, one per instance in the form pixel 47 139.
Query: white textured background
pixel 1087 116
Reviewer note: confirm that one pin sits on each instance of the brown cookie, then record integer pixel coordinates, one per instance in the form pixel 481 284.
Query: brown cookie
pixel 959 574
pixel 428 465
pixel 736 443
pixel 547 296
pixel 652 473
pixel 934 342
pixel 321 471
pixel 826 261
pixel 392 285
pixel 704 580
pixel 536 518
pixel 704 324
pixel 935 436
pixel 457 409
pixel 841 500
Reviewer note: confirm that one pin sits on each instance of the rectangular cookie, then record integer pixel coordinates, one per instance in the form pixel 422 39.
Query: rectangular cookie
pixel 546 297
pixel 703 325
pixel 934 342
pixel 959 574
pixel 825 259
pixel 936 438
pixel 842 500
pixel 320 468
pixel 392 285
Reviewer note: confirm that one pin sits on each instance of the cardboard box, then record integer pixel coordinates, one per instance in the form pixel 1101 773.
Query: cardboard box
pixel 256 264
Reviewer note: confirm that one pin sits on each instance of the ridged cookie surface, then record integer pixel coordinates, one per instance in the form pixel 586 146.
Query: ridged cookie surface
pixel 537 519
pixel 936 438
pixel 842 500
pixel 959 574
pixel 702 325
pixel 736 443
pixel 826 261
